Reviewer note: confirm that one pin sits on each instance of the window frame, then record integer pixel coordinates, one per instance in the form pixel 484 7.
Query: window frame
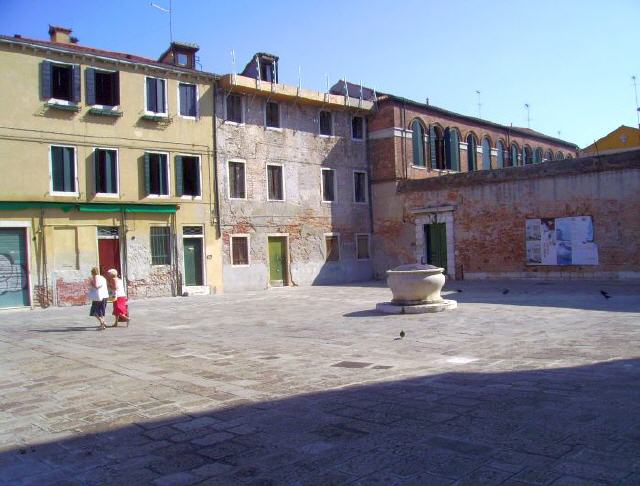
pixel 57 101
pixel 326 248
pixel 331 124
pixel 267 127
pixel 368 235
pixel 187 117
pixel 109 194
pixel 242 110
pixel 240 235
pixel 364 131
pixel 244 173
pixel 366 186
pixel 424 143
pixel 186 196
pixel 166 98
pixel 109 71
pixel 335 185
pixel 170 246
pixel 75 169
pixel 284 191
pixel 161 196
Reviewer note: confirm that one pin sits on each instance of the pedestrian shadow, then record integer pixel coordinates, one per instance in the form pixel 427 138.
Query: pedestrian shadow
pixel 68 329
pixel 363 313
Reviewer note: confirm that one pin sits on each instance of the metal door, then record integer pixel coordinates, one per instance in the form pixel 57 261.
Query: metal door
pixel 192 261
pixel 435 237
pixel 277 260
pixel 14 268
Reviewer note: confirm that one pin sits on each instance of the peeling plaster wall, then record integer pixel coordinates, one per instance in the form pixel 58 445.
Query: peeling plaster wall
pixel 489 213
pixel 303 217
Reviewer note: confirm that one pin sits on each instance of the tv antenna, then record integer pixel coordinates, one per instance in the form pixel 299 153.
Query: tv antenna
pixel 170 12
pixel 635 91
pixel 479 104
pixel 527 107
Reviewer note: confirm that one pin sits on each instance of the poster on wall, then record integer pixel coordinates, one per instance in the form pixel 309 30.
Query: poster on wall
pixel 560 241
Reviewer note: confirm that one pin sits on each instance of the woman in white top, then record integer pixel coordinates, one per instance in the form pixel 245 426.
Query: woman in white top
pixel 120 310
pixel 98 293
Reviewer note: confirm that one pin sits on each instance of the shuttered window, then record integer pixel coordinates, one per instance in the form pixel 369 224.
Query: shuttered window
pixel 332 243
pixel 156 176
pixel 275 183
pixel 417 140
pixel 188 99
pixel 106 171
pixel 326 123
pixel 486 154
pixel 328 185
pixel 156 96
pixel 188 176
pixel 160 245
pixel 60 81
pixel 240 250
pixel 234 108
pixel 237 180
pixel 514 155
pixel 63 169
pixel 472 153
pixel 452 149
pixel 102 87
pixel 272 116
pixel 360 187
pixel 501 154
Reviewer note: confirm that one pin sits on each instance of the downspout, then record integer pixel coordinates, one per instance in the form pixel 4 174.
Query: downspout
pixel 124 273
pixel 216 209
pixel 45 270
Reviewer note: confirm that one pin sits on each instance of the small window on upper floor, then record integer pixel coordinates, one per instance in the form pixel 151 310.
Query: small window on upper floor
pixel 188 101
pixel 64 172
pixel 234 108
pixel 237 182
pixel 267 71
pixel 360 186
pixel 156 93
pixel 182 59
pixel 275 183
pixel 326 123
pixel 103 87
pixel 60 82
pixel 272 115
pixel 105 163
pixel 188 176
pixel 156 174
pixel 328 185
pixel 357 128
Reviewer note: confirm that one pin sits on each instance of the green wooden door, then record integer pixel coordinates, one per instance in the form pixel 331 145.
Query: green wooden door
pixel 277 260
pixel 192 261
pixel 435 237
pixel 14 269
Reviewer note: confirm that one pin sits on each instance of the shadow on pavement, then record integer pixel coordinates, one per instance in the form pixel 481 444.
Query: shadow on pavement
pixel 571 425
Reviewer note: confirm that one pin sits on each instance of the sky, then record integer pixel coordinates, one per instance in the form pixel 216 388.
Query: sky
pixel 571 61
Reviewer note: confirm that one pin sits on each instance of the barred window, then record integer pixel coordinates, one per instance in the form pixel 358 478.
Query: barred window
pixel 240 250
pixel 160 245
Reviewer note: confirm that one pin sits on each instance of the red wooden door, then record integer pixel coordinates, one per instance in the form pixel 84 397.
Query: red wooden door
pixel 109 255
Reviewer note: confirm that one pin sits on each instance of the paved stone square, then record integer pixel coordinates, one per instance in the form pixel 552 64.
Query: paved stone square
pixel 524 383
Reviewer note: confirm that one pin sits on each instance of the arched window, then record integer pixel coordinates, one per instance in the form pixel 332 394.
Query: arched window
pixel 513 155
pixel 486 153
pixel 417 138
pixel 472 152
pixel 452 149
pixel 537 156
pixel 559 156
pixel 569 156
pixel 501 154
pixel 436 147
pixel 526 155
pixel 548 155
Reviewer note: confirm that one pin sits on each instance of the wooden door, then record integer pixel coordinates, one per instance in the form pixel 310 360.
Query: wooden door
pixel 109 255
pixel 435 237
pixel 192 261
pixel 277 260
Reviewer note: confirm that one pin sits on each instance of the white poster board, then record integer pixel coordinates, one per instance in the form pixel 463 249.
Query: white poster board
pixel 560 241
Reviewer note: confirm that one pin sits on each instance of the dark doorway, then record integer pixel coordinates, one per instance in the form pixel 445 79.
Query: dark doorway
pixel 435 248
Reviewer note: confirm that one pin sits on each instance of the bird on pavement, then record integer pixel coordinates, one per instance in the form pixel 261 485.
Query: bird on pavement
pixel 402 333
pixel 505 291
pixel 605 294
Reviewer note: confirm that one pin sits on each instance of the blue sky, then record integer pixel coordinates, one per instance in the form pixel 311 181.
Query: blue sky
pixel 570 60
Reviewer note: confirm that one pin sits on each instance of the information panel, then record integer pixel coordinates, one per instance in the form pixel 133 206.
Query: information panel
pixel 560 241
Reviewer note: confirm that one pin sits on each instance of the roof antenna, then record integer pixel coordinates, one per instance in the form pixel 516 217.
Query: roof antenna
pixel 233 62
pixel 169 11
pixel 479 104
pixel 327 79
pixel 526 106
pixel 635 90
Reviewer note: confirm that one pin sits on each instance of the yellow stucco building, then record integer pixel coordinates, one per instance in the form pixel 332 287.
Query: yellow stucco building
pixel 107 161
pixel 622 138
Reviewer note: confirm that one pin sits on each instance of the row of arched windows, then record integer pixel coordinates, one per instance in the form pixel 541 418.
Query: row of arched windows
pixel 444 150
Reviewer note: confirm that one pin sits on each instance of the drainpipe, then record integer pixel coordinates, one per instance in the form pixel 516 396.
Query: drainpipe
pixel 124 274
pixel 43 242
pixel 216 209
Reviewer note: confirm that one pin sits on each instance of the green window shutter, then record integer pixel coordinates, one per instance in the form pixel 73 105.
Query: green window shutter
pixel 57 169
pixel 198 177
pixel 45 79
pixel 417 137
pixel 433 148
pixel 179 176
pixel 96 171
pixel 147 174
pixel 162 166
pixel 116 88
pixel 454 146
pixel 68 168
pixel 90 82
pixel 110 169
pixel 75 93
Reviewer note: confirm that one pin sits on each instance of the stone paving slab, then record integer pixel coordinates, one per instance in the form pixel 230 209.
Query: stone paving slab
pixel 527 382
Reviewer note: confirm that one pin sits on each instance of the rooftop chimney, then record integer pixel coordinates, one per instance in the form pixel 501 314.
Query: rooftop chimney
pixel 60 34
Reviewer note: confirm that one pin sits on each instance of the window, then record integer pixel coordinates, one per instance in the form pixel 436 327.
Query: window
pixel 537 156
pixel 360 187
pixel 103 87
pixel 417 140
pixel 106 171
pixel 501 154
pixel 275 183
pixel 272 115
pixel 267 71
pixel 182 59
pixel 156 174
pixel 237 180
pixel 527 157
pixel 63 170
pixel 472 153
pixel 452 149
pixel 559 156
pixel 486 153
pixel 357 128
pixel 188 99
pixel 60 81
pixel 234 108
pixel 188 176
pixel 160 245
pixel 513 156
pixel 436 148
pixel 326 123
pixel 332 246
pixel 328 185
pixel 156 90
pixel 239 250
pixel 362 247
pixel 549 155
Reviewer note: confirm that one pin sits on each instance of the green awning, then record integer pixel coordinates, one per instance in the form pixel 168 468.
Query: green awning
pixel 90 207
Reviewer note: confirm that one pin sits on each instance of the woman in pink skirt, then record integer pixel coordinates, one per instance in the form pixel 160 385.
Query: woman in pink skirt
pixel 120 308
